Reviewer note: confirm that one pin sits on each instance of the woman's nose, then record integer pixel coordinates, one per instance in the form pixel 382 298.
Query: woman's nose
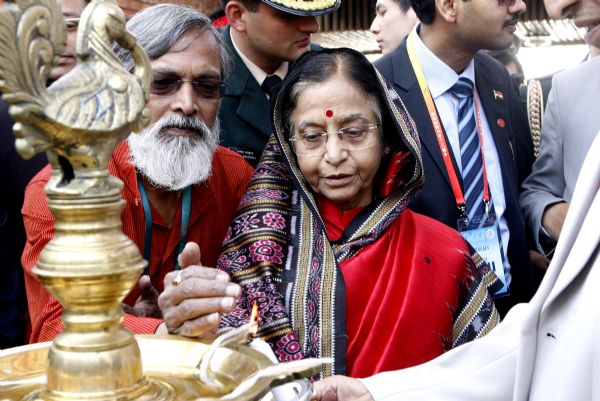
pixel 334 149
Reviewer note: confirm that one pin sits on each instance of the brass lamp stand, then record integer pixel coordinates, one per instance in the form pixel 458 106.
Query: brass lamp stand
pixel 90 265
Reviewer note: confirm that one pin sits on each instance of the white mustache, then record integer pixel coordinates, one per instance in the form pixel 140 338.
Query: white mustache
pixel 182 122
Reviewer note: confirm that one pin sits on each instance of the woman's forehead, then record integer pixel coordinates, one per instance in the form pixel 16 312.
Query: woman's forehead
pixel 334 99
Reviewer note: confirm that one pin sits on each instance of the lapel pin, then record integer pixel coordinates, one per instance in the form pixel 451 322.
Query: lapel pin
pixel 498 95
pixel 501 123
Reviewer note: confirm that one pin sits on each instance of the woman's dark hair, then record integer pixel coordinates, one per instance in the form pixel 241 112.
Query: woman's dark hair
pixel 320 66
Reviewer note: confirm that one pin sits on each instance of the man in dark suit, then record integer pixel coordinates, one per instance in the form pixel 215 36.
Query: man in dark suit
pixel 263 38
pixel 444 51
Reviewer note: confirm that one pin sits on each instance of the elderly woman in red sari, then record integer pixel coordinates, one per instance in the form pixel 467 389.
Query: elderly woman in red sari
pixel 324 243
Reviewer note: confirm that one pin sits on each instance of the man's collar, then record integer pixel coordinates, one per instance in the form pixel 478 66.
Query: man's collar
pixel 439 75
pixel 255 70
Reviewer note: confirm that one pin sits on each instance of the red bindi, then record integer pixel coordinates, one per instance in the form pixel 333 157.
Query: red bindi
pixel 329 113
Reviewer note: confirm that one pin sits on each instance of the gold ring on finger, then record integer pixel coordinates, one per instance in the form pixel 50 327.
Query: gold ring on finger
pixel 178 279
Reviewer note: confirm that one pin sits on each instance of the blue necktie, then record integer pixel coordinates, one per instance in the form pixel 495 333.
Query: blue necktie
pixel 470 154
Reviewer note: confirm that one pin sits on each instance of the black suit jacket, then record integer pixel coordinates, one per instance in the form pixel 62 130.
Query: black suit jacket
pixel 512 142
pixel 244 113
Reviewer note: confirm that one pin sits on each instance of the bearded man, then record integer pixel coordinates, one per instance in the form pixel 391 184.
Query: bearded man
pixel 179 185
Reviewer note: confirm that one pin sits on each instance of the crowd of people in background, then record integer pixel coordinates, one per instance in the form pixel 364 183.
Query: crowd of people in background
pixel 389 215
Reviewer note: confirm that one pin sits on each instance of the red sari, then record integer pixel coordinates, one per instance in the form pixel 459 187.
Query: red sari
pixel 402 291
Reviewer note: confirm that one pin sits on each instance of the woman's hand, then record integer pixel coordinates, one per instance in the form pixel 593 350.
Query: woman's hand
pixel 340 388
pixel 194 297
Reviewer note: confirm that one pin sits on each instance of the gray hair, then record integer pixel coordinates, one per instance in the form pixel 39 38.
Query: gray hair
pixel 159 27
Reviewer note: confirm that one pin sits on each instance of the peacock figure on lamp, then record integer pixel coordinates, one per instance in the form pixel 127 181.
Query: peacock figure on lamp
pixel 97 100
pixel 90 265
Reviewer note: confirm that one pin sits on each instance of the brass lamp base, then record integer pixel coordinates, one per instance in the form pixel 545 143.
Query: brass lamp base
pixel 169 363
pixel 148 390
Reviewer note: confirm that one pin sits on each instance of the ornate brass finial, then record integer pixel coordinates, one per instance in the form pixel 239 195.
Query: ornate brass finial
pixel 95 104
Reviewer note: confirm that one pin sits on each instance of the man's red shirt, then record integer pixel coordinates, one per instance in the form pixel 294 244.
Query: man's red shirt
pixel 213 204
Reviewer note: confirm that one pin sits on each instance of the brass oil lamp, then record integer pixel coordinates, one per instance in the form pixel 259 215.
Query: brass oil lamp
pixel 90 265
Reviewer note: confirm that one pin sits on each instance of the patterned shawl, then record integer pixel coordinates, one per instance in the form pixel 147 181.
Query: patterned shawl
pixel 278 251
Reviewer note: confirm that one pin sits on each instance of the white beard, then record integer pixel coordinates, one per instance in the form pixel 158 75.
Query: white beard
pixel 175 162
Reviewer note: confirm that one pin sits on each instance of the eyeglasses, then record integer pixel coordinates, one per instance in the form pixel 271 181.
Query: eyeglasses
pixel 314 143
pixel 205 89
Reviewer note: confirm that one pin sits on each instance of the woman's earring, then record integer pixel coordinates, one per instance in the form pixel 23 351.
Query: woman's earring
pixel 386 150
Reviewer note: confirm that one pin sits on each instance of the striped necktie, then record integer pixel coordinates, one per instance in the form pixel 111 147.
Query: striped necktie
pixel 470 154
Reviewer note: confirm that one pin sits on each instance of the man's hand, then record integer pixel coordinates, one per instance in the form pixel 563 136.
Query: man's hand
pixel 147 303
pixel 193 308
pixel 340 388
pixel 554 218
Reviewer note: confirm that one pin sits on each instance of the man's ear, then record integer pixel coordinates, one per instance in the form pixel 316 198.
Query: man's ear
pixel 446 9
pixel 235 12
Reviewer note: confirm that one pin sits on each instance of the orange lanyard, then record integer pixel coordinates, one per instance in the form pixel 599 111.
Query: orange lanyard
pixel 439 133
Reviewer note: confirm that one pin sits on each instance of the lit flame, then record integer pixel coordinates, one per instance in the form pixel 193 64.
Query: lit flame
pixel 239 335
pixel 254 320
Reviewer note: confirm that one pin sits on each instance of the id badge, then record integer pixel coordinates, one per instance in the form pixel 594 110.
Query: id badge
pixel 486 241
